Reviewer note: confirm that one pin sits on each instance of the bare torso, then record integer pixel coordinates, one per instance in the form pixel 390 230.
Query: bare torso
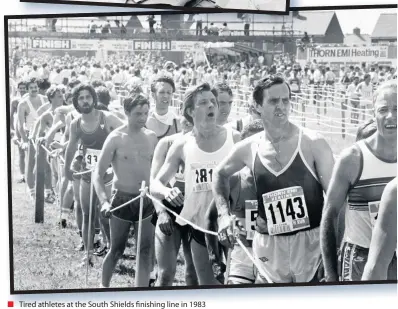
pixel 132 159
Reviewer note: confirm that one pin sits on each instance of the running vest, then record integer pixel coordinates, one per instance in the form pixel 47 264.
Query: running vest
pixel 198 174
pixel 366 92
pixel 294 85
pixel 289 201
pixel 92 142
pixel 31 117
pixel 365 195
pixel 244 202
pixel 172 129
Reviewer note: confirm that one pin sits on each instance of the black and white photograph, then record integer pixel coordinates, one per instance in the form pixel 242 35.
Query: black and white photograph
pixel 274 6
pixel 184 150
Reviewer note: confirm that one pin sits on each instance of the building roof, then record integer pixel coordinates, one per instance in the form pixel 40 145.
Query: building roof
pixel 314 23
pixel 354 39
pixel 386 26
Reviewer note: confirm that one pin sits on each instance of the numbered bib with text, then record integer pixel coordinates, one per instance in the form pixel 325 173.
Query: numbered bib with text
pixel 202 176
pixel 251 213
pixel 373 211
pixel 286 210
pixel 91 157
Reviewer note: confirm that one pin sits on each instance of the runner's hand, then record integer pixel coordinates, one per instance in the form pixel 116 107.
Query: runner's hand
pixel 165 223
pixel 175 197
pixel 106 210
pixel 241 233
pixel 56 145
pixel 24 146
pixel 225 230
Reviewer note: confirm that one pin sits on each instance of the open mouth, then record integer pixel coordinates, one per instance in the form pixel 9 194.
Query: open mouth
pixel 210 114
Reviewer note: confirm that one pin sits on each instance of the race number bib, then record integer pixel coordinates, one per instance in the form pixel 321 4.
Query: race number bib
pixel 91 157
pixel 251 213
pixel 80 149
pixel 373 211
pixel 202 176
pixel 286 210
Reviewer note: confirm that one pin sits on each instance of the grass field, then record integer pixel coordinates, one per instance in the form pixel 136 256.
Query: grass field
pixel 45 256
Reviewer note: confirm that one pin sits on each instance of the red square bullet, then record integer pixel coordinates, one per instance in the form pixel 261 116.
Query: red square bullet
pixel 10 304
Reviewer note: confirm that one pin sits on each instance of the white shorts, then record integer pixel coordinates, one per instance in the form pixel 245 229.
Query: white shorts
pixel 286 259
pixel 242 269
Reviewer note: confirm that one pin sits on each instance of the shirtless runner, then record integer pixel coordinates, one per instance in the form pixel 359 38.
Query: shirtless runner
pixel 130 150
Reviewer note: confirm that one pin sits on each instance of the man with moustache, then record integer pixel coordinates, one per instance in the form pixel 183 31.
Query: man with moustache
pixel 27 113
pixel 90 129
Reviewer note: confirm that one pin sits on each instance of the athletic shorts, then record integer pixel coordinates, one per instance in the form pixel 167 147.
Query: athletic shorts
pixel 198 236
pixel 352 260
pixel 286 259
pixel 130 212
pixel 242 269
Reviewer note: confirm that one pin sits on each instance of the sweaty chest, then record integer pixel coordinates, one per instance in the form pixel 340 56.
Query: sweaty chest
pixel 130 151
pixel 278 156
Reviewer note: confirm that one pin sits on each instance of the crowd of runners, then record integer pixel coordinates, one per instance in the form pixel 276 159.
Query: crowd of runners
pixel 151 147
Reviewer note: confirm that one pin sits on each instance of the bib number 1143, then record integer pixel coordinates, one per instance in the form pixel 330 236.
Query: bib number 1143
pixel 286 210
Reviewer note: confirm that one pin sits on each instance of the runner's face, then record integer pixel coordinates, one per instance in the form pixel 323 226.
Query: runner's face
pixel 69 101
pixel 85 102
pixel 22 89
pixel 163 94
pixel 57 100
pixel 138 116
pixel 205 110
pixel 276 105
pixel 224 106
pixel 33 89
pixel 386 114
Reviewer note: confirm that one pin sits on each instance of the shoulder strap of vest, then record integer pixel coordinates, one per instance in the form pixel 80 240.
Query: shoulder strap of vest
pixel 175 125
pixel 239 125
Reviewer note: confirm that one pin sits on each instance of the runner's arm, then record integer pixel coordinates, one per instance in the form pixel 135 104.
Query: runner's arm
pixel 113 121
pixel 324 160
pixel 104 161
pixel 43 123
pixel 343 176
pixel 53 130
pixel 384 236
pixel 159 157
pixel 13 110
pixel 233 163
pixel 72 145
pixel 167 171
pixel 21 120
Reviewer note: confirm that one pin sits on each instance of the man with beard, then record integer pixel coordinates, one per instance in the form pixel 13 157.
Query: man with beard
pixel 130 150
pixel 200 152
pixel 92 128
pixel 361 174
pixel 27 114
pixel 162 120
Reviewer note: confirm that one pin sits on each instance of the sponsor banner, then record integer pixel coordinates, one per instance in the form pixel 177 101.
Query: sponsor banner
pixel 187 46
pixel 143 45
pixel 78 44
pixel 50 44
pixel 345 54
pixel 118 45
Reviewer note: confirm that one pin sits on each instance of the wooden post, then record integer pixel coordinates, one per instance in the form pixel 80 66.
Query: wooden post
pixel 137 271
pixel 39 183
